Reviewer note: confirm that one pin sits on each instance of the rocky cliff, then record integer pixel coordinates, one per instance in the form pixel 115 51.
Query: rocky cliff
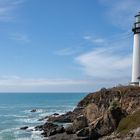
pixel 107 114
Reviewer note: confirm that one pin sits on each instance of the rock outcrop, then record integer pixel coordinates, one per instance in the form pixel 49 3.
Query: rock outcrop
pixel 97 116
pixel 106 123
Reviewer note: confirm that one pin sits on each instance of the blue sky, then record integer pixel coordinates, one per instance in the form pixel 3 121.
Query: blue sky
pixel 65 45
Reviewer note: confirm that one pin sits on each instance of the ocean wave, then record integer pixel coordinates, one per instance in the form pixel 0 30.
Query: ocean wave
pixel 60 111
pixel 10 129
pixel 17 134
pixel 32 138
pixel 4 107
pixel 51 112
pixel 13 115
pixel 28 120
pixel 36 137
pixel 33 135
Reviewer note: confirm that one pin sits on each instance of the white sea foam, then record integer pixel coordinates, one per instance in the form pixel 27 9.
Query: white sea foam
pixel 34 135
pixel 60 112
pixel 31 128
pixel 28 120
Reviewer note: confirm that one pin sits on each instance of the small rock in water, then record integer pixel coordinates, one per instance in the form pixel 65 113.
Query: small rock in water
pixel 56 114
pixel 24 128
pixel 34 110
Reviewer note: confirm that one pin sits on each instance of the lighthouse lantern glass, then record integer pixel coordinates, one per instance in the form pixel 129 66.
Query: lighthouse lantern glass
pixel 138 18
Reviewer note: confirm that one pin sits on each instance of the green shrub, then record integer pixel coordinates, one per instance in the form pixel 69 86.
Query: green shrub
pixel 114 104
pixel 129 123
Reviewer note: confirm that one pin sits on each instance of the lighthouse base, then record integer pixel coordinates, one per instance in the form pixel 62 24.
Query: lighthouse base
pixel 134 83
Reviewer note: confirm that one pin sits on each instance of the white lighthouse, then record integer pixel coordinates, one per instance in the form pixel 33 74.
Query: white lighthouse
pixel 136 51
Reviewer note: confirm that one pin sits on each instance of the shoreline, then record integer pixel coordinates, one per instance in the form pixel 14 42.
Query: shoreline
pixel 97 116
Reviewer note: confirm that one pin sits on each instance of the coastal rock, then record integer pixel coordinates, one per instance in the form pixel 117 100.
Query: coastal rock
pixel 68 117
pixel 24 128
pixel 83 132
pixel 69 129
pixel 65 118
pixel 132 135
pixel 52 118
pixel 65 136
pixel 60 129
pixel 112 136
pixel 91 112
pixel 39 128
pixel 106 124
pixel 136 134
pixel 50 129
pixel 80 122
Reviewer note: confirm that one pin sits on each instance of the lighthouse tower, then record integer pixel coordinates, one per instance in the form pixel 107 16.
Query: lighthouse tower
pixel 136 51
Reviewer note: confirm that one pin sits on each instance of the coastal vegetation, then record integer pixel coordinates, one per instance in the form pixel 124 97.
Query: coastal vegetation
pixel 129 123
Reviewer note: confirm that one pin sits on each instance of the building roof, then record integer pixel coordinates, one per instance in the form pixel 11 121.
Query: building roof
pixel 137 14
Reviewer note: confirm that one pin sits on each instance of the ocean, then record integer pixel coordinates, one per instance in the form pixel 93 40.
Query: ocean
pixel 15 112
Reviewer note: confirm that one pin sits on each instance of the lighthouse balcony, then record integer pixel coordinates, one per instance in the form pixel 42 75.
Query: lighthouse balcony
pixel 136 30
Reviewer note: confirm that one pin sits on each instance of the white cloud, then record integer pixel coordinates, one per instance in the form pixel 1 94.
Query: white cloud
pixel 7 8
pixel 112 56
pixel 106 63
pixel 15 83
pixel 94 39
pixel 20 37
pixel 121 12
pixel 16 80
pixel 4 77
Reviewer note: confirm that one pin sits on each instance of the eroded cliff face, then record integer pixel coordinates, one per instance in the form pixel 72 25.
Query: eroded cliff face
pixel 99 113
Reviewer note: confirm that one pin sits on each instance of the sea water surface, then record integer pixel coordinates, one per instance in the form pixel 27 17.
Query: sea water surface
pixel 15 112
